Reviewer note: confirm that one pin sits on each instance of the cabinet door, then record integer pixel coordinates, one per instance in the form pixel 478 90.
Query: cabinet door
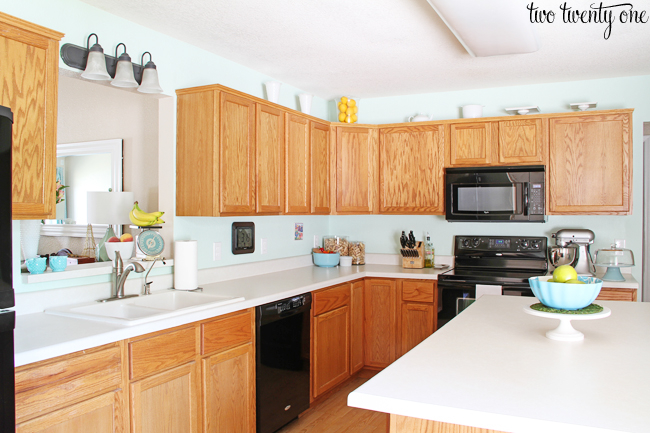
pixel 617 294
pixel 356 170
pixel 472 143
pixel 29 87
pixel 229 391
pixel 590 165
pixel 269 183
pixel 237 156
pixel 417 323
pixel 380 322
pixel 101 414
pixel 331 349
pixel 320 168
pixel 197 154
pixel 356 327
pixel 411 175
pixel 522 141
pixel 167 402
pixel 297 167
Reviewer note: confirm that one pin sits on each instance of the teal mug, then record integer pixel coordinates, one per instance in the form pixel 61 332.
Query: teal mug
pixel 58 263
pixel 36 265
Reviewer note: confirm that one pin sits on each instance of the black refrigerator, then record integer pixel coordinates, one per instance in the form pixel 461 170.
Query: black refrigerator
pixel 7 317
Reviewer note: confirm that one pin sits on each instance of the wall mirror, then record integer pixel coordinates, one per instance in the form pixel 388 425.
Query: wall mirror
pixel 83 167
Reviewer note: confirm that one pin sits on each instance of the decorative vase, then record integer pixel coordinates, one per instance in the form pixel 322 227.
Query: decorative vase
pixel 273 91
pixel 305 102
pixel 30 236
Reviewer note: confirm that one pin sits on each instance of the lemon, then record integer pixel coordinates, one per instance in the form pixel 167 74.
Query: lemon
pixel 351 103
pixel 354 118
pixel 342 108
pixel 348 119
pixel 349 111
pixel 356 109
pixel 342 117
pixel 344 100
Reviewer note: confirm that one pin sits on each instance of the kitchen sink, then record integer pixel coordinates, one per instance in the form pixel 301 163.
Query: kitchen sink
pixel 142 309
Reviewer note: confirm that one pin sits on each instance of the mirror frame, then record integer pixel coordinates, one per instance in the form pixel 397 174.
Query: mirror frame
pixel 115 149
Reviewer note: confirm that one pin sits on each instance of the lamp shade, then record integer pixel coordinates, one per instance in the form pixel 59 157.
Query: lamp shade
pixel 124 73
pixel 150 79
pixel 96 65
pixel 109 207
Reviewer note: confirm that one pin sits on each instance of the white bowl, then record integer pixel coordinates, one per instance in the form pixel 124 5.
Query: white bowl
pixel 125 249
pixel 472 111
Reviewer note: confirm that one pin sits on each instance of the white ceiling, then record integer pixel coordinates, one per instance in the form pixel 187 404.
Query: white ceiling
pixel 374 48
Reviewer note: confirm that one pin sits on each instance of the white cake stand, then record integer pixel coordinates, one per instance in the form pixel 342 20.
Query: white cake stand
pixel 566 332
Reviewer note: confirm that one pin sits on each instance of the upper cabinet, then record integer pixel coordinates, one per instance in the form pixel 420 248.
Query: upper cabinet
pixel 30 88
pixel 297 166
pixel 269 185
pixel 590 166
pixel 411 174
pixel 320 136
pixel 522 141
pixel 356 170
pixel 472 143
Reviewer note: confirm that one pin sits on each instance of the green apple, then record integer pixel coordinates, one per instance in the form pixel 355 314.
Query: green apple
pixel 550 280
pixel 563 273
pixel 574 281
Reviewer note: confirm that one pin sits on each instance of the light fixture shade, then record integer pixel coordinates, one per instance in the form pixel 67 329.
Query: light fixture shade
pixel 109 207
pixel 124 73
pixel 150 80
pixel 96 65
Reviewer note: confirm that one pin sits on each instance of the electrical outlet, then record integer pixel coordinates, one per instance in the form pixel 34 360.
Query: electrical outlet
pixel 263 246
pixel 620 243
pixel 316 243
pixel 216 251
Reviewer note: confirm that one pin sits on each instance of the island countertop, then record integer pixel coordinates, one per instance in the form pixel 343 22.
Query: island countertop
pixel 492 367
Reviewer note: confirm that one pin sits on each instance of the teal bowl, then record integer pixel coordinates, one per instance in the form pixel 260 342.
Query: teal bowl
pixel 566 296
pixel 36 265
pixel 326 260
pixel 58 263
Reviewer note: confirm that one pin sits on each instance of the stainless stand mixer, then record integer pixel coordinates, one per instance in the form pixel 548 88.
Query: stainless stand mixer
pixel 580 259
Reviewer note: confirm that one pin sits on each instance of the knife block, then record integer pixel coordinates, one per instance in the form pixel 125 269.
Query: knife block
pixel 416 262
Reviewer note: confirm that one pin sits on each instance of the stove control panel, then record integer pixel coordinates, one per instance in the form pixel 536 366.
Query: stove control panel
pixel 505 243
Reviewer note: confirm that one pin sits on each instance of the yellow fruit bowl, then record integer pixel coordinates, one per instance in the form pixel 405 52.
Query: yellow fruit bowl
pixel 566 296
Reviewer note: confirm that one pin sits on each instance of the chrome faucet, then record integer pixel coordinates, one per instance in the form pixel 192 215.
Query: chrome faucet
pixel 119 275
pixel 146 286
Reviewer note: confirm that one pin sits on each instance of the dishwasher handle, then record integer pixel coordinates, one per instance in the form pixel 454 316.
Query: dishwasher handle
pixel 278 310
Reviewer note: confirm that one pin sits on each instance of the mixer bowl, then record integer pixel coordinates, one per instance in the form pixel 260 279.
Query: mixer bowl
pixel 558 256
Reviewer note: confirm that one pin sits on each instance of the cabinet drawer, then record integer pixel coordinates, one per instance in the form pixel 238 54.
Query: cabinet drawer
pixel 227 332
pixel 418 291
pixel 160 352
pixel 617 294
pixel 331 299
pixel 49 386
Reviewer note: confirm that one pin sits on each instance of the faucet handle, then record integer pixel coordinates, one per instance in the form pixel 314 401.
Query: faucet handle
pixel 147 288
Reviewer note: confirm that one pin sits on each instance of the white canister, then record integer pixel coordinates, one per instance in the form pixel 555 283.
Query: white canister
pixel 345 261
pixel 273 91
pixel 305 102
pixel 472 111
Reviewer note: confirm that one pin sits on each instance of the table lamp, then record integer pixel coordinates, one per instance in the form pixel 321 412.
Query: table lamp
pixel 108 208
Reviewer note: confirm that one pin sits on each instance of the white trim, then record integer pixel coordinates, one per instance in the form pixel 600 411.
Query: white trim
pixel 73 230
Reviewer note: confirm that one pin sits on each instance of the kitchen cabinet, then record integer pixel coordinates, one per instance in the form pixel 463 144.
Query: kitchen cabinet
pixel 236 155
pixel 30 88
pixel 357 166
pixel 590 164
pixel 320 136
pixel 418 312
pixel 380 322
pixel 411 173
pixel 269 160
pixel 297 165
pixel 331 338
pixel 522 141
pixel 617 294
pixel 472 144
pixel 356 326
pixel 75 393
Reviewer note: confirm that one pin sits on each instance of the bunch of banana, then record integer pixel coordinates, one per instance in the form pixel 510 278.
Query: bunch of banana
pixel 144 219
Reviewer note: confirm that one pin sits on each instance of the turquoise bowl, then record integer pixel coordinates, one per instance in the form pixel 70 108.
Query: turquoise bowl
pixel 326 260
pixel 58 263
pixel 566 296
pixel 36 265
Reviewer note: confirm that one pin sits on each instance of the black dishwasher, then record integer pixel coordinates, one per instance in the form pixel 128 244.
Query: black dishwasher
pixel 282 361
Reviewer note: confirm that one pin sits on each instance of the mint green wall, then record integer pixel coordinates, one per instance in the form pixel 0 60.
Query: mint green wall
pixel 381 231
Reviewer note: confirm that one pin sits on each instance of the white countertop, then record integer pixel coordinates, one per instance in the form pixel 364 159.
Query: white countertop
pixel 40 336
pixel 493 367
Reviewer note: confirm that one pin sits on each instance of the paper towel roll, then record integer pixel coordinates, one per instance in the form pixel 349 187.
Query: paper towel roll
pixel 186 265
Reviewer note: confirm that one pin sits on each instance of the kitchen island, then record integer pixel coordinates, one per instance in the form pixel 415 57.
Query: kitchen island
pixel 493 369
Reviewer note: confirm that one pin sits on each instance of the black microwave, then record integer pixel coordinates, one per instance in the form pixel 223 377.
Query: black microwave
pixel 496 194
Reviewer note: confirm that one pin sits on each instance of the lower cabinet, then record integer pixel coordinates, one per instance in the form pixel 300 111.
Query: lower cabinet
pixel 617 294
pixel 380 322
pixel 418 312
pixel 356 326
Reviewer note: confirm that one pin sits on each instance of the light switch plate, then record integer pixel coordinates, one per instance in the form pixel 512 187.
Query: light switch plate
pixel 316 243
pixel 263 244
pixel 216 251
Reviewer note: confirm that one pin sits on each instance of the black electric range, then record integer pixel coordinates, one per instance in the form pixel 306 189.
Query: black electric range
pixel 504 262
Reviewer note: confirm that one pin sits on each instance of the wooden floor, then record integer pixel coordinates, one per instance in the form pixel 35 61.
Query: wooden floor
pixel 335 416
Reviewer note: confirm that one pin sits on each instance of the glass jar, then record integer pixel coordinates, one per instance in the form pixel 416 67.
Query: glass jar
pixel 342 245
pixel 329 243
pixel 357 249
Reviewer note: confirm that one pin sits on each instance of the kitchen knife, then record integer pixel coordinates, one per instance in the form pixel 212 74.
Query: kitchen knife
pixel 411 241
pixel 403 239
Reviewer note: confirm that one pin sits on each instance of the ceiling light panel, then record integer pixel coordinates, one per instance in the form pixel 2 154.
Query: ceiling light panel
pixel 489 28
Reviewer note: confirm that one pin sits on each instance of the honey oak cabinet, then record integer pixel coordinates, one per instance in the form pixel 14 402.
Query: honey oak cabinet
pixel 418 312
pixel 617 294
pixel 590 166
pixel 297 165
pixel 522 141
pixel 356 326
pixel 320 137
pixel 472 144
pixel 380 322
pixel 269 160
pixel 29 87
pixel 75 393
pixel 411 174
pixel 357 166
